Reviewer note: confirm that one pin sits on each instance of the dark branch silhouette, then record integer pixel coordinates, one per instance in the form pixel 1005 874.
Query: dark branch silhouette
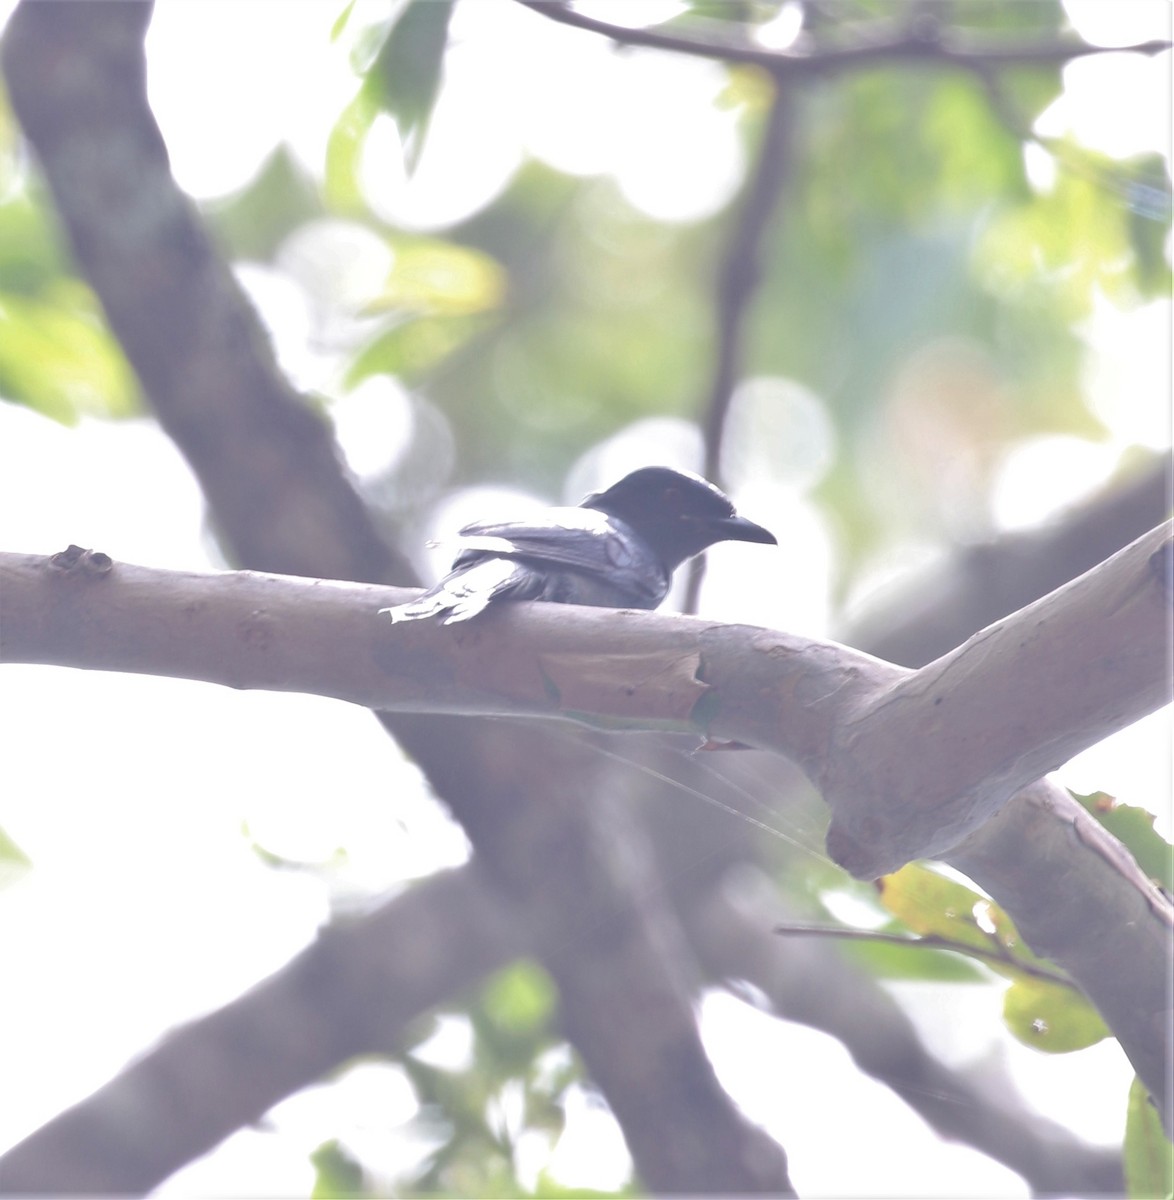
pixel 926 43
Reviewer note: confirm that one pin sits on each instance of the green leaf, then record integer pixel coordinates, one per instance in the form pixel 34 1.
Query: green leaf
pixel 405 77
pixel 340 22
pixel 58 357
pixel 1134 828
pixel 433 276
pixel 411 349
pixel 932 905
pixel 344 152
pixel 338 1173
pixel 14 863
pixel 31 258
pixel 1099 228
pixel 1145 191
pixel 512 1021
pixel 1052 1016
pixel 549 1188
pixel 520 998
pixel 1149 1157
pixel 254 221
pixel 915 962
pixel 1041 1008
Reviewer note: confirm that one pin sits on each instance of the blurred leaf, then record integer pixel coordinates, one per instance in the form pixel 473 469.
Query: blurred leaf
pixel 742 12
pixel 412 349
pixel 1051 1016
pixel 1009 16
pixel 405 77
pixel 1145 190
pixel 887 960
pixel 512 1021
pixel 521 998
pixel 340 22
pixel 344 151
pixel 254 221
pixel 977 154
pixel 458 1097
pixel 338 1174
pixel 1149 1157
pixel 1049 1013
pixel 550 1189
pixel 1134 828
pixel 930 904
pixel 10 146
pixel 436 277
pixel 57 354
pixel 14 863
pixel 1074 238
pixel 31 259
pixel 58 357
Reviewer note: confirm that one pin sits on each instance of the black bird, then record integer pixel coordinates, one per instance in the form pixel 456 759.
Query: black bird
pixel 618 549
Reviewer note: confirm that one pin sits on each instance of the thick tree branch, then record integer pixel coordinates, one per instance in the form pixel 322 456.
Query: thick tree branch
pixel 979 584
pixel 1018 699
pixel 848 719
pixel 1030 690
pixel 1083 918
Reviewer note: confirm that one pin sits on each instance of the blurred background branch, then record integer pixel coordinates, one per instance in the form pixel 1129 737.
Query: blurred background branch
pixel 922 39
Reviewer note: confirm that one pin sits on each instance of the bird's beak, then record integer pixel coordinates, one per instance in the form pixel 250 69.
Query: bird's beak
pixel 738 529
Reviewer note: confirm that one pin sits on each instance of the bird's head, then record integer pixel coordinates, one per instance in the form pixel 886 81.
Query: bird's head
pixel 677 513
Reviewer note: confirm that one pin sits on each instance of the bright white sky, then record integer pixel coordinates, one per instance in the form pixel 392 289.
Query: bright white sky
pixel 145 897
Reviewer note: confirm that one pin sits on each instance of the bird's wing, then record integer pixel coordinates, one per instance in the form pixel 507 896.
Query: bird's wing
pixel 579 538
pixel 571 556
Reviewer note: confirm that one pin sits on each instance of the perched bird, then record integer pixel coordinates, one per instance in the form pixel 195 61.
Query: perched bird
pixel 618 549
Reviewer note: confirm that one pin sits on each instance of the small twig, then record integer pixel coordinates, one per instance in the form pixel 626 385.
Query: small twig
pixel 741 270
pixel 926 43
pixel 930 941
pixel 737 283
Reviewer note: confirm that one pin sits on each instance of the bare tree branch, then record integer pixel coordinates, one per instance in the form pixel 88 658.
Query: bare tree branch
pixel 925 43
pixel 981 583
pixel 737 283
pixel 1016 700
pixel 848 719
pixel 1022 856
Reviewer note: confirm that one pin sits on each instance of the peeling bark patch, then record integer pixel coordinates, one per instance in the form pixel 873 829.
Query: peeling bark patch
pixel 658 686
